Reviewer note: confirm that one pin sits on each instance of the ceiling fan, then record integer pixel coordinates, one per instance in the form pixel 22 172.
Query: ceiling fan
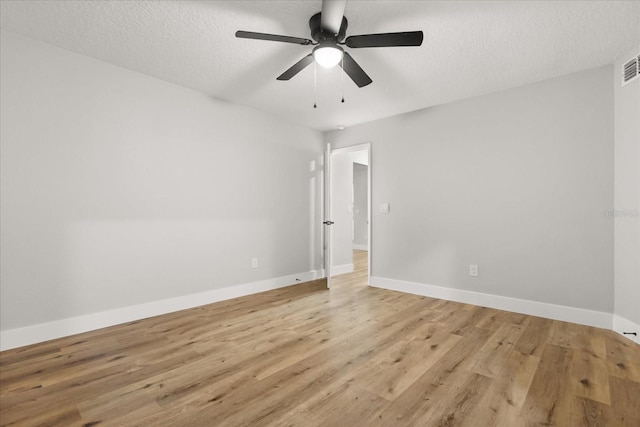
pixel 328 30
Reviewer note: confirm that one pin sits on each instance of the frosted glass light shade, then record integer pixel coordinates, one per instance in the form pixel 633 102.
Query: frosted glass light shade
pixel 327 56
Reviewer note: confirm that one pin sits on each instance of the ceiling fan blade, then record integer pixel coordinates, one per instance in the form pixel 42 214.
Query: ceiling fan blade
pixel 296 68
pixel 331 15
pixel 353 70
pixel 407 38
pixel 272 37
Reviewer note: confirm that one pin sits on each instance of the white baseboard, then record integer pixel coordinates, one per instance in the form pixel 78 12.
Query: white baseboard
pixel 620 325
pixel 74 325
pixel 360 247
pixel 534 308
pixel 341 269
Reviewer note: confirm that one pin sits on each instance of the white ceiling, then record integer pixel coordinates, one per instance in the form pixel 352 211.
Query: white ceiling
pixel 470 48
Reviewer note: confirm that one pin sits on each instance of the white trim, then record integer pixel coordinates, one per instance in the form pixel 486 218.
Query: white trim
pixel 551 311
pixel 74 325
pixel 620 325
pixel 341 269
pixel 348 148
pixel 360 247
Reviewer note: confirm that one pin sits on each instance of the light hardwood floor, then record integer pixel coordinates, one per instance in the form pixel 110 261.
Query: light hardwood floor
pixel 307 356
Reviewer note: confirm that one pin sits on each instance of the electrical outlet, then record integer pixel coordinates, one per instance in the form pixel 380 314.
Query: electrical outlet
pixel 473 270
pixel 254 262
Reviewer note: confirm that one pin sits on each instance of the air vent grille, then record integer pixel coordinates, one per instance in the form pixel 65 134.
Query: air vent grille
pixel 630 70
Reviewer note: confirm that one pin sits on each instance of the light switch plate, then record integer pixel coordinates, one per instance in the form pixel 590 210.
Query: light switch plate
pixel 384 207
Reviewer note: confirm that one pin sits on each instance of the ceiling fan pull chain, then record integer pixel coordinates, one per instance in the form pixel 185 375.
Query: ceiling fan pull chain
pixel 342 77
pixel 315 85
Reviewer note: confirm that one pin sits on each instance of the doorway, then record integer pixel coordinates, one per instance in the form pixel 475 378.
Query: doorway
pixel 348 209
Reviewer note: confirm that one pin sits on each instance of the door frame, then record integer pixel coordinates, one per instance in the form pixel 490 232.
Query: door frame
pixel 328 241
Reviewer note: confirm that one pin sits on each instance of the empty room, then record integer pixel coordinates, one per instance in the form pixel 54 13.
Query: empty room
pixel 319 213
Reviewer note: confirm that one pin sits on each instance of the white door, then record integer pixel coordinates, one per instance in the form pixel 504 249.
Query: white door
pixel 338 247
pixel 327 215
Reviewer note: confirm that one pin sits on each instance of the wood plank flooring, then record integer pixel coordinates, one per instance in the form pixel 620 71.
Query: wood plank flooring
pixel 308 356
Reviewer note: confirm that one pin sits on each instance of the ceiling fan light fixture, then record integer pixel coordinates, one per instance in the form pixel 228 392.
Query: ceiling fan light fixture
pixel 327 56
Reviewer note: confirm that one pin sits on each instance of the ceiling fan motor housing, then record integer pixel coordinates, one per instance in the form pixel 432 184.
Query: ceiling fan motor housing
pixel 323 37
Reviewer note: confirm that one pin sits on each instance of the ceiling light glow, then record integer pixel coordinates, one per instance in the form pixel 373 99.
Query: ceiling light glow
pixel 327 56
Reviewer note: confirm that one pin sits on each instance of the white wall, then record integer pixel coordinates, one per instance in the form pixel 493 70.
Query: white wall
pixel 342 208
pixel 360 206
pixel 625 215
pixel 119 189
pixel 515 182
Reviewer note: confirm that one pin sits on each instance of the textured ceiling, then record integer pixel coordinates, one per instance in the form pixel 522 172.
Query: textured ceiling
pixel 470 48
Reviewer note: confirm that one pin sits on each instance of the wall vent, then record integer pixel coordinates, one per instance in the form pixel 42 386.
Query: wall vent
pixel 630 70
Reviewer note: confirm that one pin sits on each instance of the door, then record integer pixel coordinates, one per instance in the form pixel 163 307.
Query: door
pixel 338 203
pixel 327 215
